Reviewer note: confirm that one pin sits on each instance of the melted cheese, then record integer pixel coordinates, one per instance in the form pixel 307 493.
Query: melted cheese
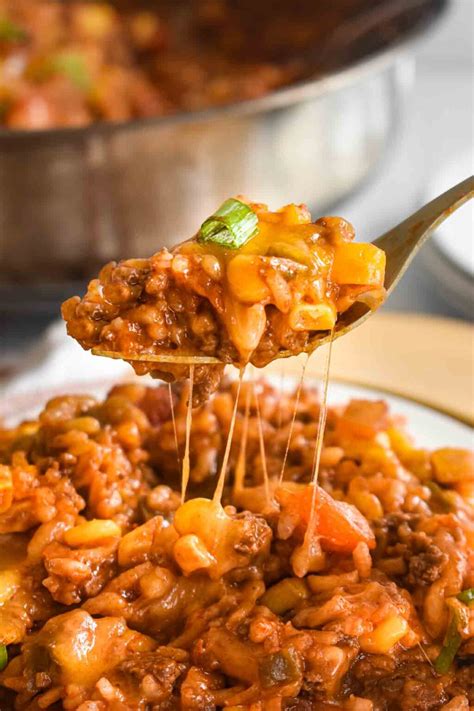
pixel 220 484
pixel 293 418
pixel 308 539
pixel 189 419
pixel 173 419
pixel 263 456
pixel 240 467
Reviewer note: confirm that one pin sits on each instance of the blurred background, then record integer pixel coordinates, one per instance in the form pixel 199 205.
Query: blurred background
pixel 121 132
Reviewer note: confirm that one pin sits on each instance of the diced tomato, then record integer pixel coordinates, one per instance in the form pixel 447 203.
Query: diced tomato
pixel 339 525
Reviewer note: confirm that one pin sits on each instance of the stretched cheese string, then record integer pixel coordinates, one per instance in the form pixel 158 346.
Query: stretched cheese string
pixel 217 498
pixel 189 418
pixel 282 390
pixel 263 456
pixel 240 467
pixel 293 418
pixel 173 419
pixel 318 448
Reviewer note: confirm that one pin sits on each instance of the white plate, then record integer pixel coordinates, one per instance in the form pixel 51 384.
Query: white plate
pixel 429 427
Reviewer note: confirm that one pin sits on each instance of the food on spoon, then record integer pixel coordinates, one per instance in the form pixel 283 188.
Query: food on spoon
pixel 251 286
pixel 115 596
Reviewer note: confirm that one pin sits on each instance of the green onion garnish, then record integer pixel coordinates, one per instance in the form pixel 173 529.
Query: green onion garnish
pixel 451 645
pixel 452 641
pixel 72 66
pixel 10 31
pixel 3 657
pixel 467 596
pixel 231 226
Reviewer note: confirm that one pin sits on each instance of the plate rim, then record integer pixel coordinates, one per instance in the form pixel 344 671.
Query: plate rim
pixel 45 394
pixel 452 414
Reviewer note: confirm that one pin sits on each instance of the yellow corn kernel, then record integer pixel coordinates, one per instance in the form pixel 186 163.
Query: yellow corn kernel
pixel 312 317
pixel 367 503
pixel 91 533
pixel 418 462
pixel 400 442
pixel 6 488
pixel 94 21
pixel 245 280
pixel 452 465
pixel 384 636
pixel 86 424
pixel 129 434
pixel 285 595
pixel 136 544
pixel 9 584
pixel 202 517
pixel 191 554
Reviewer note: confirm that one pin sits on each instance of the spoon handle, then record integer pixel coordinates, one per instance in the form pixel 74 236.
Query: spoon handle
pixel 403 242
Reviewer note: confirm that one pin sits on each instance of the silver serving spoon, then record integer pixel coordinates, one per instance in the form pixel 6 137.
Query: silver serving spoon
pixel 400 244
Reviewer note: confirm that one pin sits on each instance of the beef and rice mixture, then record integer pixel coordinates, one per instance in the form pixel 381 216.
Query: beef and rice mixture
pixel 269 296
pixel 67 64
pixel 70 64
pixel 115 597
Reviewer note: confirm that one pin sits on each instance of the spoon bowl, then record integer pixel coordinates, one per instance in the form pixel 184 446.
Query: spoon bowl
pixel 400 244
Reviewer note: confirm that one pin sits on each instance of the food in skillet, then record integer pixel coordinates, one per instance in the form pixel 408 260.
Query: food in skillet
pixel 115 597
pixel 66 64
pixel 253 285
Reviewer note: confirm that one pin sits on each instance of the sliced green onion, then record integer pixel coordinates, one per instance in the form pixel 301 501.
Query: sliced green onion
pixel 10 31
pixel 451 645
pixel 3 657
pixel 453 639
pixel 231 226
pixel 72 66
pixel 467 596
